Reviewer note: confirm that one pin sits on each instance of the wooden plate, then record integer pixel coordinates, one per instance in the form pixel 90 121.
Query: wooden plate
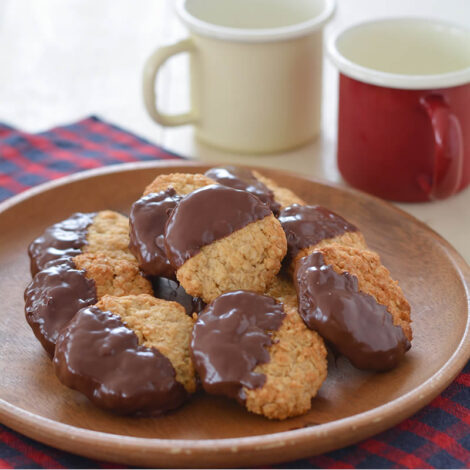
pixel 208 431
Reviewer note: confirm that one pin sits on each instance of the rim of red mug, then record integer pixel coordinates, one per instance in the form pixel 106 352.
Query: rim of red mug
pixel 211 30
pixel 394 80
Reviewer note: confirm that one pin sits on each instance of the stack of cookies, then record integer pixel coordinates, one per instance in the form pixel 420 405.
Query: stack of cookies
pixel 224 282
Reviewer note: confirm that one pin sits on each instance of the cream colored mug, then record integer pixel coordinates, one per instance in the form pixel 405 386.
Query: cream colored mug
pixel 256 68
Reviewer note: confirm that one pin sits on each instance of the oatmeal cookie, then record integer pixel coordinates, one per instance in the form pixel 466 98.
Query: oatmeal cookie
pixel 109 233
pixel 309 227
pixel 283 290
pixel 148 217
pixel 182 183
pixel 285 197
pixel 252 348
pixel 158 324
pixel 81 232
pixel 53 297
pixel 113 275
pixel 220 239
pixel 57 292
pixel 119 354
pixel 349 297
pixel 238 177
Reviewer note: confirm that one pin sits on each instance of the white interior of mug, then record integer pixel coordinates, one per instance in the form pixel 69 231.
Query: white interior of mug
pixel 254 14
pixel 404 53
pixel 254 20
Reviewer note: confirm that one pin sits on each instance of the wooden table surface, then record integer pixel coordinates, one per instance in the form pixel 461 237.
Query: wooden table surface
pixel 61 60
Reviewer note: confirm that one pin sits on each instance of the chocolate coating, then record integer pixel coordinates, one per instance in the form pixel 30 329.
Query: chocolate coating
pixel 358 327
pixel 168 289
pixel 206 215
pixel 306 226
pixel 66 238
pixel 241 178
pixel 229 340
pixel 53 297
pixel 99 356
pixel 147 227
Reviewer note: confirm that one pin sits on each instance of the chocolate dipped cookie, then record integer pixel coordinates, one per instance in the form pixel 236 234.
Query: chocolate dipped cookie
pixel 220 239
pixel 182 183
pixel 254 182
pixel 57 292
pixel 350 299
pixel 284 196
pixel 238 177
pixel 256 350
pixel 104 231
pixel 128 354
pixel 308 227
pixel 149 215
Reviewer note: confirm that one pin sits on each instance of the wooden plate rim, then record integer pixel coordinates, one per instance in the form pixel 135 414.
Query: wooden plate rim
pixel 40 428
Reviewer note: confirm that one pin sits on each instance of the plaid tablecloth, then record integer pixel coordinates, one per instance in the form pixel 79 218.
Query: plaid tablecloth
pixel 436 437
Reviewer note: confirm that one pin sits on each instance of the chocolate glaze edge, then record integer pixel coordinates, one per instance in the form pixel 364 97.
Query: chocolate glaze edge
pixel 167 289
pixel 147 220
pixel 53 297
pixel 207 215
pixel 62 239
pixel 242 178
pixel 352 321
pixel 230 338
pixel 96 344
pixel 307 225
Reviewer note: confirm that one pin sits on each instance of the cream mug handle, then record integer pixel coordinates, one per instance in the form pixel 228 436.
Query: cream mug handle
pixel 152 65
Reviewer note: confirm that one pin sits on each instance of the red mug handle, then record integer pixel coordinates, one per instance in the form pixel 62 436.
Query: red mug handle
pixel 448 141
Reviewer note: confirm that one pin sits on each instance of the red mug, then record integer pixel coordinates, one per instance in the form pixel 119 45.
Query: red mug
pixel 404 108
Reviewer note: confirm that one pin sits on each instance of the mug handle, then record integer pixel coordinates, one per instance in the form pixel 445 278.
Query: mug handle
pixel 448 142
pixel 151 68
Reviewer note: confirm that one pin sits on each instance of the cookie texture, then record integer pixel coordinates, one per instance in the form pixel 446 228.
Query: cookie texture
pixel 373 279
pixel 297 365
pixel 310 226
pixel 230 337
pixel 53 297
pixel 113 275
pixel 348 239
pixel 68 284
pixel 239 177
pixel 100 356
pixel 182 183
pixel 249 258
pixel 255 349
pixel 285 197
pixel 105 231
pixel 160 324
pixel 63 239
pixel 109 233
pixel 295 372
pixel 283 290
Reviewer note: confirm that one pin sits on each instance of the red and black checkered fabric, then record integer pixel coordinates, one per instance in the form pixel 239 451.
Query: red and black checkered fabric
pixel 436 437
